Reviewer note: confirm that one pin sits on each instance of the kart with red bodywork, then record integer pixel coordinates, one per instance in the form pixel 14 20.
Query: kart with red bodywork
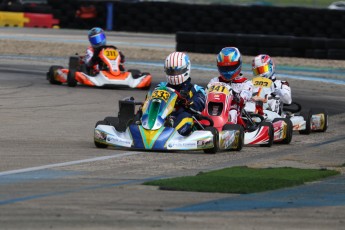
pixel 218 104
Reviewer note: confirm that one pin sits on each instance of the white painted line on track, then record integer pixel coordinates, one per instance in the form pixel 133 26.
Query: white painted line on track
pixel 24 170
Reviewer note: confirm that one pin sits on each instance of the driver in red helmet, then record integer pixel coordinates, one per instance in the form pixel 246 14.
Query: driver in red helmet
pixel 229 63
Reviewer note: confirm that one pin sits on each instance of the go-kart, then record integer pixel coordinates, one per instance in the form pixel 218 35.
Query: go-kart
pixel 305 122
pixel 151 130
pixel 283 127
pixel 110 72
pixel 217 107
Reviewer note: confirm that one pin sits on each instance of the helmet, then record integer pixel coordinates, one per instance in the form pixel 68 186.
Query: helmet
pixel 263 66
pixel 229 63
pixel 97 37
pixel 177 68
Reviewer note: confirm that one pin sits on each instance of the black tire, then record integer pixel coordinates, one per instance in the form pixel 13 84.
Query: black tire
pixel 271 134
pixel 289 130
pixel 325 113
pixel 97 144
pixel 51 74
pixel 215 140
pixel 240 140
pixel 73 66
pixel 307 118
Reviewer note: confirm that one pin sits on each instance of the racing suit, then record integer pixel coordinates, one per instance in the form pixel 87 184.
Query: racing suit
pixel 91 60
pixel 242 88
pixel 282 94
pixel 181 119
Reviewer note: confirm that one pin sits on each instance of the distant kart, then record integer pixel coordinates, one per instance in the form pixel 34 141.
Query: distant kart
pixel 152 130
pixel 218 104
pixel 110 73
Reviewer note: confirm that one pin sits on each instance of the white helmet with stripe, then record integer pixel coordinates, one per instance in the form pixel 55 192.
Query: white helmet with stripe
pixel 177 68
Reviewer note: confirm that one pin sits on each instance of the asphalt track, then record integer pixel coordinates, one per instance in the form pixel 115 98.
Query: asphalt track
pixel 52 176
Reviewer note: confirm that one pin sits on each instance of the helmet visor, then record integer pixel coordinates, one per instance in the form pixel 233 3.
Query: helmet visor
pixel 260 70
pixel 97 39
pixel 174 72
pixel 229 68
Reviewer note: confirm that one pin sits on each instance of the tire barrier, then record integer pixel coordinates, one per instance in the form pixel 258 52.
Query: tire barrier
pixel 19 19
pixel 249 44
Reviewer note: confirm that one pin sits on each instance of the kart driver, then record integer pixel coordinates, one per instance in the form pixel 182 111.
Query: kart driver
pixel 177 68
pixel 229 63
pixel 263 66
pixel 97 39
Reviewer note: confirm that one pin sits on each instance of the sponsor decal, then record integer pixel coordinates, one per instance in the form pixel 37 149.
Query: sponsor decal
pixel 119 141
pixel 183 145
pixel 226 139
pixel 100 135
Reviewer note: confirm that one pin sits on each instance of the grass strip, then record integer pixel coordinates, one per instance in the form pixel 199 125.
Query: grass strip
pixel 243 180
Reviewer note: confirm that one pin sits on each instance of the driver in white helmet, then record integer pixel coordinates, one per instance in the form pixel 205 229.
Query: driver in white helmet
pixel 177 68
pixel 229 63
pixel 97 39
pixel 263 66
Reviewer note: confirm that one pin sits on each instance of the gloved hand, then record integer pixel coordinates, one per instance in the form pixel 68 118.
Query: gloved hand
pixel 239 100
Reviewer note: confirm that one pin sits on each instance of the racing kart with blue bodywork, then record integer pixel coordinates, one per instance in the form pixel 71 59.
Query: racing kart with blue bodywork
pixel 110 72
pixel 151 130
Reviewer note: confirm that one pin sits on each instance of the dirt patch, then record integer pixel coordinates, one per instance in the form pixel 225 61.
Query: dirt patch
pixel 53 49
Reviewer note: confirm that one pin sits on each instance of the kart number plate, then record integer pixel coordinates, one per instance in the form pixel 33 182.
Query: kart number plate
pixel 111 54
pixel 219 88
pixel 161 94
pixel 262 82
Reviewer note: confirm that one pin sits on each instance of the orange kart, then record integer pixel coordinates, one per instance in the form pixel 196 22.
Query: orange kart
pixel 110 73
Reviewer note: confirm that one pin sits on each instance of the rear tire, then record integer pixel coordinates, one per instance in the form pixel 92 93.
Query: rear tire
pixel 51 74
pixel 214 132
pixel 240 141
pixel 307 118
pixel 73 68
pixel 97 144
pixel 270 132
pixel 325 113
pixel 289 130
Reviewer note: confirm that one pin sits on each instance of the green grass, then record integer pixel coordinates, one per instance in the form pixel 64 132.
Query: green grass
pixel 243 180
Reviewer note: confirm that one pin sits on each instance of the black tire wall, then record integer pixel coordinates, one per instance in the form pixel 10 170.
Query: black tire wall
pixel 283 31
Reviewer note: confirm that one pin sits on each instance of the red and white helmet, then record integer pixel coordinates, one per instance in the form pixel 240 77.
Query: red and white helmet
pixel 177 68
pixel 263 66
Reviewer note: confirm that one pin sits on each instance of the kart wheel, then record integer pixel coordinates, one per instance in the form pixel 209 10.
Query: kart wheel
pixel 71 82
pixel 289 130
pixel 97 144
pixel 215 134
pixel 240 140
pixel 325 122
pixel 270 132
pixel 73 66
pixel 307 118
pixel 51 74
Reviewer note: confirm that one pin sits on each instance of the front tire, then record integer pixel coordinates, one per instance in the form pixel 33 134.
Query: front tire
pixel 98 144
pixel 51 75
pixel 325 121
pixel 73 66
pixel 240 140
pixel 214 132
pixel 289 130
pixel 307 118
